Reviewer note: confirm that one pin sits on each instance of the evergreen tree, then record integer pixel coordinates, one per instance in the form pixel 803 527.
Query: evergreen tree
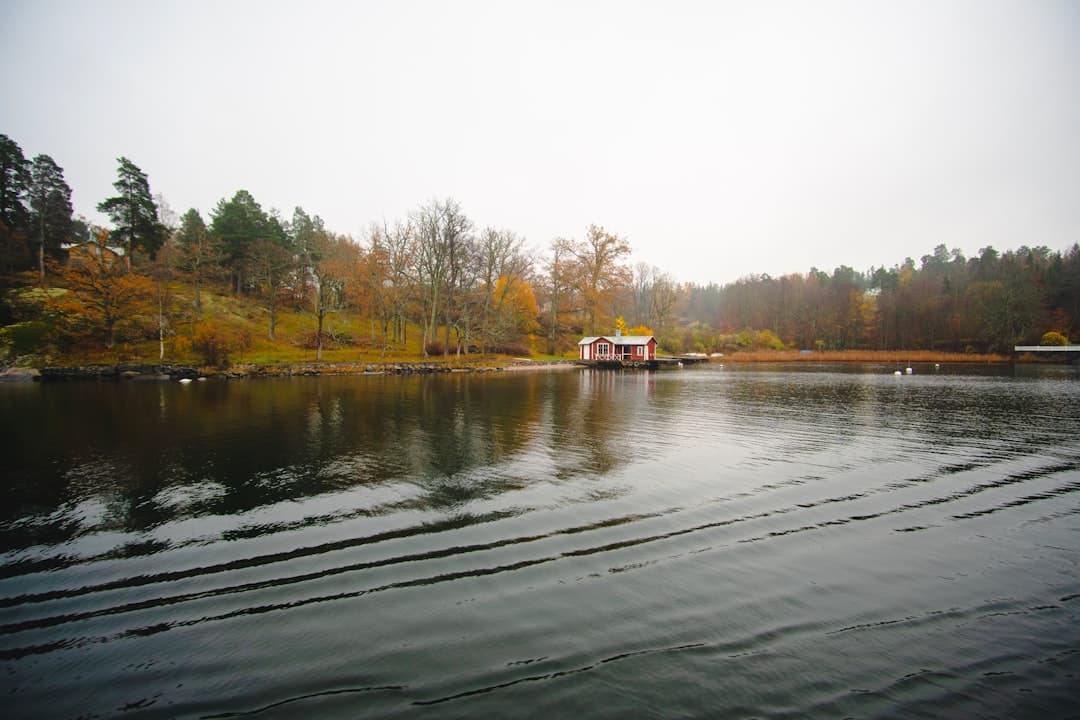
pixel 14 218
pixel 198 252
pixel 50 208
pixel 134 212
pixel 239 223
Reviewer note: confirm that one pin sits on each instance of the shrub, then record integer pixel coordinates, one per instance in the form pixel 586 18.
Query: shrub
pixel 1054 338
pixel 212 344
pixel 25 338
pixel 435 347
pixel 516 349
pixel 767 340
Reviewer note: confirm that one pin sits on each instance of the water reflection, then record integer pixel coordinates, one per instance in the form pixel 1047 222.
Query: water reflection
pixel 471 545
pixel 144 455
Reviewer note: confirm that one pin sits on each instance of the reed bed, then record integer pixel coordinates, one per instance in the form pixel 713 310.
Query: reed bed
pixel 863 356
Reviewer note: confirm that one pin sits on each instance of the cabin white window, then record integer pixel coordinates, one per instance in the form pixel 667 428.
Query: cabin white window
pixel 602 349
pixel 640 350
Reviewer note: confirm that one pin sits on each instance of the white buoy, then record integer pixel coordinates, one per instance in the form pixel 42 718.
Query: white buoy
pixel 897 373
pixel 908 371
pixel 185 381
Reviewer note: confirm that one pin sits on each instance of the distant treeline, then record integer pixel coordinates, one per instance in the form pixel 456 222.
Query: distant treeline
pixel 467 288
pixel 944 302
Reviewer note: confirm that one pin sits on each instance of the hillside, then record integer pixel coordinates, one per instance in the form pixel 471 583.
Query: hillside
pixel 230 330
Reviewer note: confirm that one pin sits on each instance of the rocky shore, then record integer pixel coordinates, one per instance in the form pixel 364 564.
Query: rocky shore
pixel 243 371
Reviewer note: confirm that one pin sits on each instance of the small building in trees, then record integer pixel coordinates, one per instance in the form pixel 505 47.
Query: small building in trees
pixel 92 253
pixel 627 348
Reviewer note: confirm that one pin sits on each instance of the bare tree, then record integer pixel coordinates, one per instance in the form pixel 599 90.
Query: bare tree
pixel 440 229
pixel 501 257
pixel 559 286
pixel 332 259
pixel 270 265
pixel 642 286
pixel 665 300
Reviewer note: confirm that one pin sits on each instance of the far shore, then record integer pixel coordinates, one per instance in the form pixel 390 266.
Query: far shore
pixel 869 356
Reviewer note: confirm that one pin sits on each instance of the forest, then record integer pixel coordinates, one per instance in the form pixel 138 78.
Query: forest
pixel 195 287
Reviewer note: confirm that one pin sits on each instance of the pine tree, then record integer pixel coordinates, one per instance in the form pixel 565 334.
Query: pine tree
pixel 14 217
pixel 239 223
pixel 50 208
pixel 199 253
pixel 134 212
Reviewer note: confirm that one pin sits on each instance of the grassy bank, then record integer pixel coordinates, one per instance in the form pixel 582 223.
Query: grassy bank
pixel 238 327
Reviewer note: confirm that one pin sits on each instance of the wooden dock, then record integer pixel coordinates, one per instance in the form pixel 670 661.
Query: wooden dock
pixel 655 364
pixel 1069 353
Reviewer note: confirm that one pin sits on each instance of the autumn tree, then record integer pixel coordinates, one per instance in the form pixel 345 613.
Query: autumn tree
pixel 466 298
pixel 600 273
pixel 558 282
pixel 332 259
pixel 50 208
pixel 515 313
pixel 103 296
pixel 390 261
pixel 162 271
pixel 270 265
pixel 133 212
pixel 503 266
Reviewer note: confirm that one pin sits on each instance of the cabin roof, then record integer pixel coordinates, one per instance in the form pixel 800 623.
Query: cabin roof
pixel 618 339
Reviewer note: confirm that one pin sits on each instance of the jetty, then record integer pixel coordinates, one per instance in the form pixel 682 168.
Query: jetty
pixel 1069 352
pixel 655 363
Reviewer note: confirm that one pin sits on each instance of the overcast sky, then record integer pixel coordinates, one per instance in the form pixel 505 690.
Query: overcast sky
pixel 720 138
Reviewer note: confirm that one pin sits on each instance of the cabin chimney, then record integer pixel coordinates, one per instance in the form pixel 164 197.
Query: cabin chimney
pixel 618 332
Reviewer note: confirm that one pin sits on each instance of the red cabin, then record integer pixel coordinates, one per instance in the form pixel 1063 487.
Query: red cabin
pixel 630 348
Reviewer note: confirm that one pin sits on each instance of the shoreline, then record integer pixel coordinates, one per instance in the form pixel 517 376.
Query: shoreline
pixel 176 372
pixel 241 371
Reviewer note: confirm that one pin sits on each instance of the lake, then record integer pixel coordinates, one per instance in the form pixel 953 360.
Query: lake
pixel 801 541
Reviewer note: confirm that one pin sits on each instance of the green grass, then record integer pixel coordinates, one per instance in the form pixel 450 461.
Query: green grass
pixel 244 324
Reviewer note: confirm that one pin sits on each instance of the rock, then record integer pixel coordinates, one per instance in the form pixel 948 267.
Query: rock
pixel 20 374
pixel 112 372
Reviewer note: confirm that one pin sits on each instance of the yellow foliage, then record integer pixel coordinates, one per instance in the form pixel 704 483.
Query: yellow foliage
pixel 1054 338
pixel 516 301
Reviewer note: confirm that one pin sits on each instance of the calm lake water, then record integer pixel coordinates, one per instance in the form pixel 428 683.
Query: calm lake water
pixel 783 542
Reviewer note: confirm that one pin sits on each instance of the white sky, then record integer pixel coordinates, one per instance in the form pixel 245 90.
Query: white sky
pixel 720 138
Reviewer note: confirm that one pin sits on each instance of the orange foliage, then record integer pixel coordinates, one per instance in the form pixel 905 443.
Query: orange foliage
pixel 103 297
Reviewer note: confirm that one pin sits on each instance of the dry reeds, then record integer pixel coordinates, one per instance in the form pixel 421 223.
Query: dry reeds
pixel 864 356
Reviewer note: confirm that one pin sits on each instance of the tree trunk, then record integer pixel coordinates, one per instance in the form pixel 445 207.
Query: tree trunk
pixel 198 294
pixel 161 326
pixel 318 338
pixel 41 251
